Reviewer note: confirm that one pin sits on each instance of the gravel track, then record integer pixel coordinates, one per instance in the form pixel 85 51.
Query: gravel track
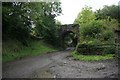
pixel 59 65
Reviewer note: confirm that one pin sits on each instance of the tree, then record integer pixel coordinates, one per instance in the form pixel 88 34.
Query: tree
pixel 96 29
pixel 17 19
pixel 44 19
pixel 86 19
pixel 21 16
pixel 85 16
pixel 112 11
pixel 93 28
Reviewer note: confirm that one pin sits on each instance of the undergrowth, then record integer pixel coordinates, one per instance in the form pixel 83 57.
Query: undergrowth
pixel 78 56
pixel 13 50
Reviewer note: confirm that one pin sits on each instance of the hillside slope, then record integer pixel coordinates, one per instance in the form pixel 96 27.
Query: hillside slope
pixel 12 50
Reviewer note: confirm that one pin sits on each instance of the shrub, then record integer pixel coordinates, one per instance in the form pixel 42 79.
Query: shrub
pixel 111 49
pixel 93 29
pixel 96 49
pixel 89 49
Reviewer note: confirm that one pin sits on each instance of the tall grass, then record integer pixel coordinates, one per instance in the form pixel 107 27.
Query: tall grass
pixel 13 50
pixel 78 56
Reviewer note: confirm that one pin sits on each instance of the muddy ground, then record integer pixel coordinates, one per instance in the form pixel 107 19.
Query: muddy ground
pixel 60 65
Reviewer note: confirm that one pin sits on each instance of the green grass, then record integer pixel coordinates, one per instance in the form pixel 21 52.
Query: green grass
pixel 81 57
pixel 12 51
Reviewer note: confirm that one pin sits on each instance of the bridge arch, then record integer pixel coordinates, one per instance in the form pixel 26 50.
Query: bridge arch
pixel 68 29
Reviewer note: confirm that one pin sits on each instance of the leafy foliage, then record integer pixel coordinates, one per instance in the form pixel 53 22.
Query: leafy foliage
pixel 44 20
pixel 112 11
pixel 24 18
pixel 94 31
pixel 18 24
pixel 85 16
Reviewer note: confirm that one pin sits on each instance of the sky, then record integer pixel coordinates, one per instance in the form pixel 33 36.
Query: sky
pixel 71 8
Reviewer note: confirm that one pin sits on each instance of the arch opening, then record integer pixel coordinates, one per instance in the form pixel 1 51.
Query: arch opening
pixel 69 39
pixel 69 35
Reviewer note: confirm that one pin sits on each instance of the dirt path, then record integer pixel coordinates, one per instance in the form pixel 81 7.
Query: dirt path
pixel 59 65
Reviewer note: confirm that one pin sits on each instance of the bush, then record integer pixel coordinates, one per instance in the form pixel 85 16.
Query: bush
pixel 89 49
pixel 96 49
pixel 110 49
pixel 93 29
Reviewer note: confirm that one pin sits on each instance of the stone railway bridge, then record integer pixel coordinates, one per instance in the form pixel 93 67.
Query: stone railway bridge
pixel 69 28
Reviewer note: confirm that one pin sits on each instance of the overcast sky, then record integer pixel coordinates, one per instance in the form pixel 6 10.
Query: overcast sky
pixel 71 8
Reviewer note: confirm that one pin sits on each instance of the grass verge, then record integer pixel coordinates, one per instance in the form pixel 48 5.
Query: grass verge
pixel 13 51
pixel 81 57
